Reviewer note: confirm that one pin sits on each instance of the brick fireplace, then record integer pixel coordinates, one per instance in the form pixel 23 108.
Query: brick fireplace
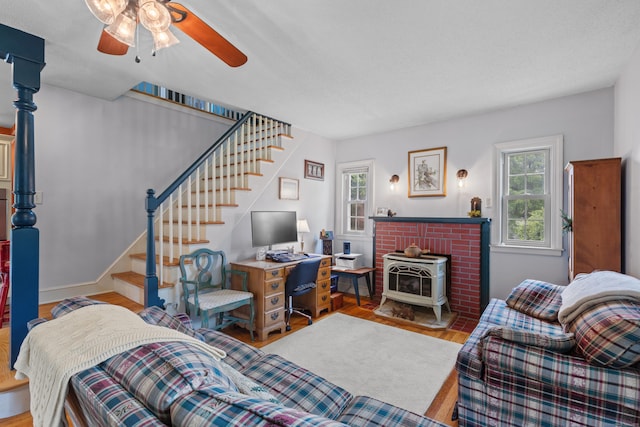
pixel 464 240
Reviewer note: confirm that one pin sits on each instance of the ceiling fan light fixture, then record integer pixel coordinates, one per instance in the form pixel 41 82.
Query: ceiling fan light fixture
pixel 106 10
pixel 154 16
pixel 123 28
pixel 162 39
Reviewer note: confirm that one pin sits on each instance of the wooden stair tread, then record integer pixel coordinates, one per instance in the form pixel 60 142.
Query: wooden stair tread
pixel 175 221
pixel 137 279
pixel 165 259
pixel 184 241
pixel 211 205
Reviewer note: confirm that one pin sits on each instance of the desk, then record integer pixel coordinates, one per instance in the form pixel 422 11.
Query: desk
pixel 266 281
pixel 355 275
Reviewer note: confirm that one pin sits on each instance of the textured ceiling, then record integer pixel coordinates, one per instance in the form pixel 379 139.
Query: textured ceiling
pixel 348 68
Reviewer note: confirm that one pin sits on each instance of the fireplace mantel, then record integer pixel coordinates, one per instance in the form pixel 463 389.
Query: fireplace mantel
pixel 466 240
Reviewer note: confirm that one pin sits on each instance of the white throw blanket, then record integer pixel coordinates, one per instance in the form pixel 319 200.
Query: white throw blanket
pixel 587 290
pixel 54 351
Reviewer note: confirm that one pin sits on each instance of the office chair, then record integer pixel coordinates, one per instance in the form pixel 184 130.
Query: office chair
pixel 206 289
pixel 301 280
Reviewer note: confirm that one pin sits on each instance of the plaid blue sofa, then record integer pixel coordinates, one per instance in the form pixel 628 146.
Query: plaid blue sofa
pixel 173 384
pixel 518 369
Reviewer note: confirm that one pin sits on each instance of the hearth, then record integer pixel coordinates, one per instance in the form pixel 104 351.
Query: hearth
pixel 420 281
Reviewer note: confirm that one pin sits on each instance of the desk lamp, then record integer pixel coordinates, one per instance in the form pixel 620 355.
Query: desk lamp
pixel 303 227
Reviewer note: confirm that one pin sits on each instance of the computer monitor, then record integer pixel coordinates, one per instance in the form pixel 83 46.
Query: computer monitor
pixel 273 227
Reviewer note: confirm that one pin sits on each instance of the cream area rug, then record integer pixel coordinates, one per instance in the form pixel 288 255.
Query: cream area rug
pixel 400 367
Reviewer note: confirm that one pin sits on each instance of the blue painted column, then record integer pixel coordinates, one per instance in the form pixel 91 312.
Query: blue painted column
pixel 151 297
pixel 25 53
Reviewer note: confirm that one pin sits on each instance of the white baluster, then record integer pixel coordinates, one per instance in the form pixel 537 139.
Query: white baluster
pixel 179 242
pixel 189 191
pixel 206 190
pixel 197 178
pixel 170 228
pixel 214 182
pixel 243 130
pixel 160 240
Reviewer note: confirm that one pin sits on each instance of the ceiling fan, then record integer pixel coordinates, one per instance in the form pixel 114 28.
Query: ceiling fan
pixel 121 18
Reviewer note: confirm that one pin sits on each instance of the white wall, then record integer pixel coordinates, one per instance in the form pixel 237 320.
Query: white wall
pixel 94 160
pixel 315 202
pixel 627 146
pixel 585 120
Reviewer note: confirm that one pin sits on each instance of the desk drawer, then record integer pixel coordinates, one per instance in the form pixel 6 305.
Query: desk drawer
pixel 273 317
pixel 273 287
pixel 324 273
pixel 273 273
pixel 326 262
pixel 323 293
pixel 274 301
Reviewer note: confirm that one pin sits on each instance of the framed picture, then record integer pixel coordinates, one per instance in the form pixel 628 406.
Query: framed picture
pixel 428 172
pixel 313 170
pixel 382 211
pixel 288 189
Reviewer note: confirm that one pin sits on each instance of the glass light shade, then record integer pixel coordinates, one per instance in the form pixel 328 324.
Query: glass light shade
pixel 154 16
pixel 106 10
pixel 162 39
pixel 123 29
pixel 303 226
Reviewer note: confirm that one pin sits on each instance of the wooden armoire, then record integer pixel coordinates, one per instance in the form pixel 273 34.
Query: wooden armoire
pixel 594 206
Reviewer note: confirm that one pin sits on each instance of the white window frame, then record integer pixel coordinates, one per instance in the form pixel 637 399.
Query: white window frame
pixel 553 199
pixel 341 201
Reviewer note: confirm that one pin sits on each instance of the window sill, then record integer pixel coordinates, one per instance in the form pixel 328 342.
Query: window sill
pixel 526 250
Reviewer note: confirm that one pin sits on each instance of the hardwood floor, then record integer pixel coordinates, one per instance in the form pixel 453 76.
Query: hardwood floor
pixel 441 408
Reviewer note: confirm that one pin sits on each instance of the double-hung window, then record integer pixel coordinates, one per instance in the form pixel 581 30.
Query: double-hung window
pixel 354 197
pixel 529 191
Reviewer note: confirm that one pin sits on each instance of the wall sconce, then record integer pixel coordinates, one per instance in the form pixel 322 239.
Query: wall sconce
pixel 393 181
pixel 462 177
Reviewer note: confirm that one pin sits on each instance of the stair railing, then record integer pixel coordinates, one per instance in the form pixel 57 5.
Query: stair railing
pixel 206 185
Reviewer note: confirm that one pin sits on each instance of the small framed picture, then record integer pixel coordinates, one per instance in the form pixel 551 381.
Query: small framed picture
pixel 427 172
pixel 313 170
pixel 382 211
pixel 288 189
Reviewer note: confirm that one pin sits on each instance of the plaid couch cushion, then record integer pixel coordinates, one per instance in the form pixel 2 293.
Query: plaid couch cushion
pixel 556 341
pixel 158 373
pixel 297 387
pixel 106 402
pixel 497 314
pixel 70 304
pixel 600 386
pixel 366 411
pixel 216 407
pixel 239 354
pixel 182 323
pixel 608 334
pixel 539 299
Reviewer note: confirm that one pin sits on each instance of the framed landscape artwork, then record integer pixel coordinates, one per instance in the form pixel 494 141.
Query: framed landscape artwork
pixel 427 172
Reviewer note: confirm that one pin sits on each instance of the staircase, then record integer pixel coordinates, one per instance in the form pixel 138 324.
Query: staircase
pixel 184 216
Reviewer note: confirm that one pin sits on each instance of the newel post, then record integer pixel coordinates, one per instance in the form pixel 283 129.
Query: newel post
pixel 25 53
pixel 151 296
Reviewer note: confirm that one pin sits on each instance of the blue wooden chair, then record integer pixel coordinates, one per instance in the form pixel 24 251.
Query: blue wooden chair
pixel 206 289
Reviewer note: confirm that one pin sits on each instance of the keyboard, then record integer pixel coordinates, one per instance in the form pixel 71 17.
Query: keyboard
pixel 287 257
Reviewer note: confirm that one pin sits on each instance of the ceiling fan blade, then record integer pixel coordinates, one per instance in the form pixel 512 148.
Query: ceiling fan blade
pixel 110 45
pixel 210 39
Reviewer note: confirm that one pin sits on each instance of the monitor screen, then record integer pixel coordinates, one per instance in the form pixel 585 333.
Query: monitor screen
pixel 273 227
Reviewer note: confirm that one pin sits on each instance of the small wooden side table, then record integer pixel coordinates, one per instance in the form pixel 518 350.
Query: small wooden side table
pixel 354 275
